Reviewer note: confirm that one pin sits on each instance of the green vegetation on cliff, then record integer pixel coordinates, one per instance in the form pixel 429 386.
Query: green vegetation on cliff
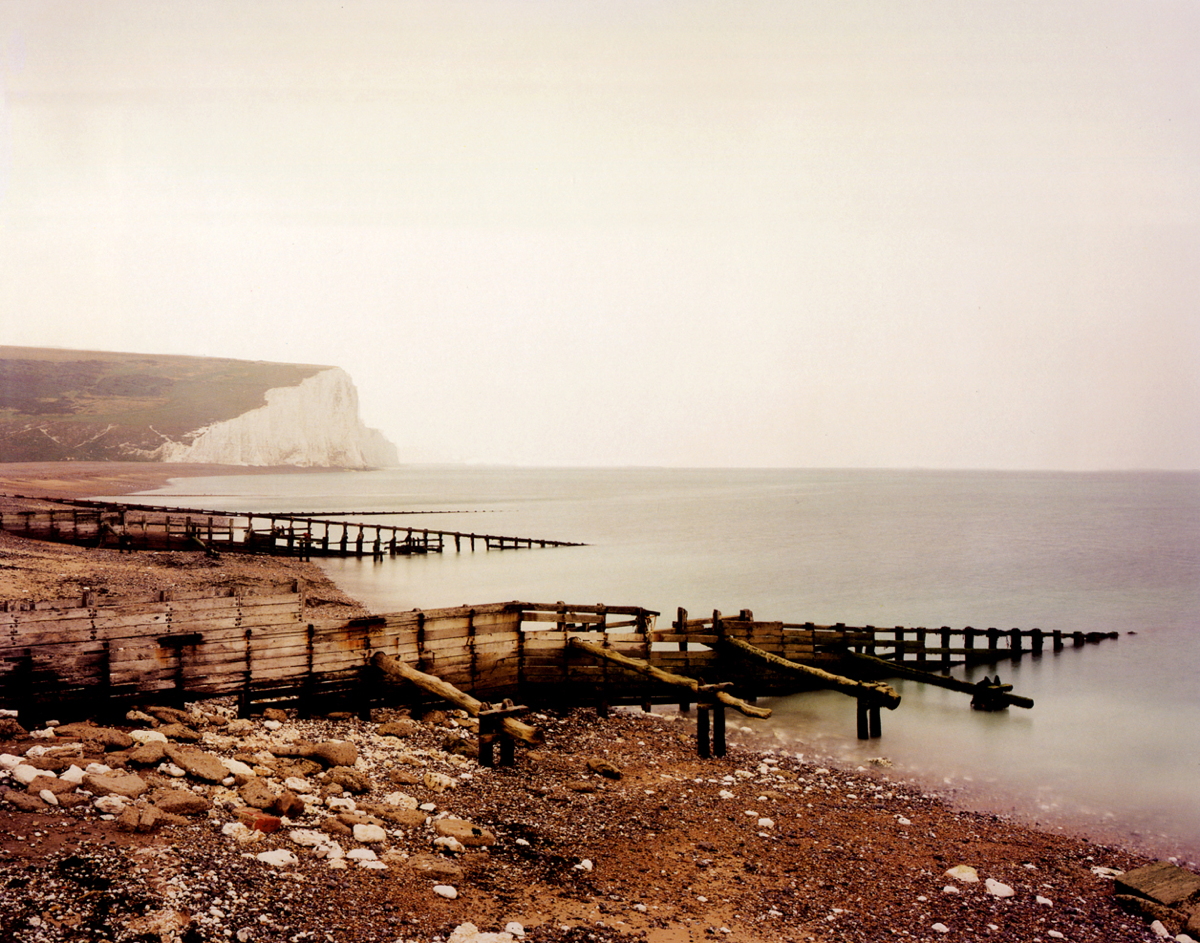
pixel 58 405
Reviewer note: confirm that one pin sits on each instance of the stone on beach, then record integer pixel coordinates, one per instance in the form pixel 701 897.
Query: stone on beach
pixel 469 933
pixel 468 834
pixel 181 802
pixel 107 737
pixel 436 867
pixel 25 774
pixel 125 785
pixel 998 888
pixel 369 834
pixel 198 763
pixel 279 858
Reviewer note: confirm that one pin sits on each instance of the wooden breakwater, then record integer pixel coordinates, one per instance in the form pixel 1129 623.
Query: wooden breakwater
pixel 80 656
pixel 826 645
pixel 72 656
pixel 133 527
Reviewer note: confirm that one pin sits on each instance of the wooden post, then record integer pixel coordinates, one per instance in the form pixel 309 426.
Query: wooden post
pixel 1057 637
pixel 703 746
pixel 864 728
pixel 1038 637
pixel 968 641
pixel 922 655
pixel 106 692
pixel 245 697
pixel 308 685
pixel 488 729
pixel 718 711
pixel 1014 643
pixel 993 637
pixel 472 668
pixel 945 630
pixel 898 654
pixel 680 627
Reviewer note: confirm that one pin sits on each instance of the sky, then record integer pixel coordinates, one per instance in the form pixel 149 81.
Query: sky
pixel 856 233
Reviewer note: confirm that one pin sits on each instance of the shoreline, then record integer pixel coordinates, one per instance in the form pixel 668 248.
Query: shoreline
pixel 838 810
pixel 88 479
pixel 91 479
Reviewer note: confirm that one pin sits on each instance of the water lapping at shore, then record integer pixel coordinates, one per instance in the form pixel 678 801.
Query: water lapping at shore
pixel 1110 746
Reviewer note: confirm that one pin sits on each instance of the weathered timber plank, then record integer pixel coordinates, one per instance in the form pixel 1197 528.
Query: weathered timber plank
pixel 104 609
pixel 438 632
pixel 449 645
pixel 572 607
pixel 124 627
pixel 161 630
pixel 497 643
pixel 680 637
pixel 566 617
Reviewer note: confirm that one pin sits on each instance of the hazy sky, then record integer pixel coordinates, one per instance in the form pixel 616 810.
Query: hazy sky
pixel 843 233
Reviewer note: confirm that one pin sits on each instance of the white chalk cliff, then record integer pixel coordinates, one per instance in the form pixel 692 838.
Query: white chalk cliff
pixel 314 423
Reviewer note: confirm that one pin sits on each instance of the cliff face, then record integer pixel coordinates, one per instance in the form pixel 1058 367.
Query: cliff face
pixel 313 424
pixel 58 405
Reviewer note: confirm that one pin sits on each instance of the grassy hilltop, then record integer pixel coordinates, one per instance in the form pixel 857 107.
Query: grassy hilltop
pixel 60 405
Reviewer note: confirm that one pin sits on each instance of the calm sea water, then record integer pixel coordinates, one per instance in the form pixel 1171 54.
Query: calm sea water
pixel 1112 747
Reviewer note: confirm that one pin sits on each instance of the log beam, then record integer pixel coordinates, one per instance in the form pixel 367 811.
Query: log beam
pixel 667 677
pixel 875 692
pixel 397 670
pixel 898 670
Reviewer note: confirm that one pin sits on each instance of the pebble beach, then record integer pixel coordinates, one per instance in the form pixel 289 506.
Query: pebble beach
pixel 194 825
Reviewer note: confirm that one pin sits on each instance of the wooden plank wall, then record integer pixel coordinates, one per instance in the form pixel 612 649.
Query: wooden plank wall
pixel 202 642
pixel 207 644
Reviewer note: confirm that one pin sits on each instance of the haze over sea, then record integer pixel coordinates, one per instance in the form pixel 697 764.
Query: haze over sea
pixel 1112 747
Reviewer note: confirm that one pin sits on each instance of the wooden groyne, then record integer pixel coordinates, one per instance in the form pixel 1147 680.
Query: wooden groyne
pixel 133 527
pixel 60 658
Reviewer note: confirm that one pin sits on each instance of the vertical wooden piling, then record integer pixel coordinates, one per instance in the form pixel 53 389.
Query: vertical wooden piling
pixel 718 712
pixel 245 697
pixel 681 615
pixel 703 744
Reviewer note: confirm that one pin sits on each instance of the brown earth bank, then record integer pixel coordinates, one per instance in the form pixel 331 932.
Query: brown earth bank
pixel 342 830
pixel 88 479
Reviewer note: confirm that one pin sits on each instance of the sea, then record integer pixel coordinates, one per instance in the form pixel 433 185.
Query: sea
pixel 1111 749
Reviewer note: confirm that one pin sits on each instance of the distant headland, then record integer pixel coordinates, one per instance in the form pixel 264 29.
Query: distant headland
pixel 75 405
